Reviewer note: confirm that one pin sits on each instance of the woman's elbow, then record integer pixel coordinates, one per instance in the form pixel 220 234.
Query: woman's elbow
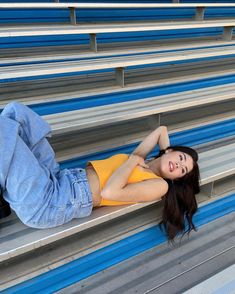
pixel 107 194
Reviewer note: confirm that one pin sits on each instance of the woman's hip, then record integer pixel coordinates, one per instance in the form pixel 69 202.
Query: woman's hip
pixel 70 197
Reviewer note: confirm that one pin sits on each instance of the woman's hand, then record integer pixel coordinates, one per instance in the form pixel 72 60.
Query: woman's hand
pixel 139 160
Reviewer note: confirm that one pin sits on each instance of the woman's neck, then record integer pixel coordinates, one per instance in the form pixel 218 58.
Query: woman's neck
pixel 154 165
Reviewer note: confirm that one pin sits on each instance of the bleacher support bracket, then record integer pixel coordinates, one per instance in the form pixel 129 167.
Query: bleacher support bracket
pixel 119 74
pixel 208 189
pixel 228 33
pixel 154 121
pixel 200 11
pixel 73 15
pixel 93 42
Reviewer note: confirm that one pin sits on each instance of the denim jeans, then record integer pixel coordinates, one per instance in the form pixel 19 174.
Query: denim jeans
pixel 41 194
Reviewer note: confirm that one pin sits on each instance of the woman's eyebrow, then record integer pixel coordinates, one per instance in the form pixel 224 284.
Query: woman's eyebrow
pixel 185 160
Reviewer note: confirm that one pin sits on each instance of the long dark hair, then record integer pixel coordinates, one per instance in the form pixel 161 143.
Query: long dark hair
pixel 180 202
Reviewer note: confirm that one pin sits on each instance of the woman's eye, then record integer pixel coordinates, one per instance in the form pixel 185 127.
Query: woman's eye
pixel 183 170
pixel 181 157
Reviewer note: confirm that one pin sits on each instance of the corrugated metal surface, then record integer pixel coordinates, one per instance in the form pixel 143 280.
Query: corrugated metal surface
pixel 168 270
pixel 161 269
pixel 14 16
pixel 223 282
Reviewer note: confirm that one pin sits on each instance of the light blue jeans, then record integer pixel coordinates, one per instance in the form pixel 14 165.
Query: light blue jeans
pixel 42 195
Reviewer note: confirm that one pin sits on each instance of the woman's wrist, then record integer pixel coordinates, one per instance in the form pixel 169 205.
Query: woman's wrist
pixel 164 141
pixel 137 160
pixel 163 130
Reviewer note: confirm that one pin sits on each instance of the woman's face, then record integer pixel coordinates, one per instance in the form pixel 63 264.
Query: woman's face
pixel 175 164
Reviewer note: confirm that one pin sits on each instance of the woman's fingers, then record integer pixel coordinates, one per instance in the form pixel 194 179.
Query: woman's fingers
pixel 140 160
pixel 143 164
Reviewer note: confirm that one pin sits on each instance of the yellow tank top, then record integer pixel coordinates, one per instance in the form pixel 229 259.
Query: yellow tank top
pixel 105 168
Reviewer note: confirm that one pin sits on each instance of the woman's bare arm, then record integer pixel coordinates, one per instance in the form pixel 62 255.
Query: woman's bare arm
pixel 119 178
pixel 157 137
pixel 117 188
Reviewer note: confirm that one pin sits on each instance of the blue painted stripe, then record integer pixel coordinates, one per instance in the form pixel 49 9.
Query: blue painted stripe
pixel 113 254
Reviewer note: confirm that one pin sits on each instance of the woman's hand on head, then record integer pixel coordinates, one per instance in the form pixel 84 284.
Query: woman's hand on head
pixel 139 160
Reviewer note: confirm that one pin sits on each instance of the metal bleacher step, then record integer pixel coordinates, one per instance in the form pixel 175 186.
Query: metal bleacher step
pixel 72 7
pixel 170 269
pixel 22 30
pixel 215 164
pixel 217 124
pixel 68 88
pixel 104 115
pixel 98 5
pixel 117 63
pixel 14 56
pixel 206 113
pixel 72 248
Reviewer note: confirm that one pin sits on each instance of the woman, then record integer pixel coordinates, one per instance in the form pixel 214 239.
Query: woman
pixel 44 196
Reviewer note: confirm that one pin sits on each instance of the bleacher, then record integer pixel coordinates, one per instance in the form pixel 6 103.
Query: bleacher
pixel 104 75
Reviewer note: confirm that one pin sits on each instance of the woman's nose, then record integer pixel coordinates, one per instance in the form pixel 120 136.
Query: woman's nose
pixel 178 164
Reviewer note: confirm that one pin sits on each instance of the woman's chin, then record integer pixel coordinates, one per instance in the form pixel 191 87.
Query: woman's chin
pixel 166 176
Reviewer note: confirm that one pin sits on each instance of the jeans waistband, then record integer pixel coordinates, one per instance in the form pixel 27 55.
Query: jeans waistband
pixel 77 174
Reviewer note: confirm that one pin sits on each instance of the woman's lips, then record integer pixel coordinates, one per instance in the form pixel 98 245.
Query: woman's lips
pixel 171 166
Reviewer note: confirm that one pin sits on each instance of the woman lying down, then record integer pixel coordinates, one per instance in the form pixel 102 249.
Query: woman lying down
pixel 44 196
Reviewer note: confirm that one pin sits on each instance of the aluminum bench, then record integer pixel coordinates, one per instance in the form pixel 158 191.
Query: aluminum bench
pixel 119 112
pixel 215 164
pixel 199 15
pixel 117 63
pixel 14 56
pixel 68 88
pixel 94 29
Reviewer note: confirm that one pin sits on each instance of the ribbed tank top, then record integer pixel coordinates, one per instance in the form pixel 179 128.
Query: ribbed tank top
pixel 105 168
